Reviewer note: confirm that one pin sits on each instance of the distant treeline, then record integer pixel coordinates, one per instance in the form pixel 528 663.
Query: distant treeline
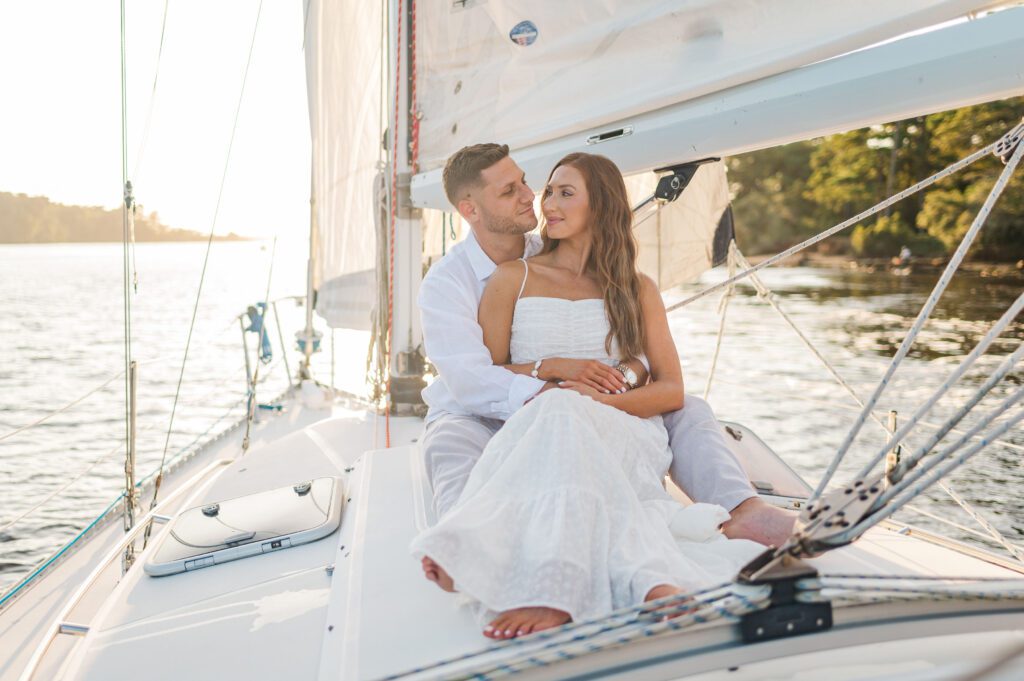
pixel 35 219
pixel 785 194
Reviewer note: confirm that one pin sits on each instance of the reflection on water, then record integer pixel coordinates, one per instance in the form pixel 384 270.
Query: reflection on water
pixel 60 332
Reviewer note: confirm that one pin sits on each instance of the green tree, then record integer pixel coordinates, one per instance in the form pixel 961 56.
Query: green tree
pixel 769 206
pixel 948 211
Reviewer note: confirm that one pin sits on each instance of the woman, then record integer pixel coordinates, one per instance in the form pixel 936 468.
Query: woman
pixel 565 515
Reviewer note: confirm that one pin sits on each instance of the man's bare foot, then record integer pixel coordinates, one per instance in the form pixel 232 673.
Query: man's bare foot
pixel 523 621
pixel 436 574
pixel 758 520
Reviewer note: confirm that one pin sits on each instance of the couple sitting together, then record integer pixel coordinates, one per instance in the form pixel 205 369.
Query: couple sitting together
pixel 559 408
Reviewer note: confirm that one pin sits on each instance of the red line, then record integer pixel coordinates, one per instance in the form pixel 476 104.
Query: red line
pixel 394 217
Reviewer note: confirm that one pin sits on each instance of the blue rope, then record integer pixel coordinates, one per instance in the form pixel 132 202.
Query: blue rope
pixel 257 316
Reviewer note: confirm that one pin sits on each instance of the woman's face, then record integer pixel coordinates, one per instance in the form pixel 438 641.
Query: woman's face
pixel 565 205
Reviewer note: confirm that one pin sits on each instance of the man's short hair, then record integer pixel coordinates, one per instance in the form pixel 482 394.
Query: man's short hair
pixel 463 168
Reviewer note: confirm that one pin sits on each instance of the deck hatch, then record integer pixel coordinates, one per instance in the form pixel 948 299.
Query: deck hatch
pixel 250 525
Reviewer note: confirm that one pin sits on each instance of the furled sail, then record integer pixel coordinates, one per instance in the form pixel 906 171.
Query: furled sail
pixel 344 51
pixel 525 71
pixel 681 240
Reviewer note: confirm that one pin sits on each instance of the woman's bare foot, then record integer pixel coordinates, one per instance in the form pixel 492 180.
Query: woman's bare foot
pixel 436 574
pixel 664 591
pixel 523 621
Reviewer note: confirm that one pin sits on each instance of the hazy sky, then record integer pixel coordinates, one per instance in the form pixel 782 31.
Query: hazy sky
pixel 60 109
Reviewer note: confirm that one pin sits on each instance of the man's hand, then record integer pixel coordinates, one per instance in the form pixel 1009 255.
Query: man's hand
pixel 589 372
pixel 547 386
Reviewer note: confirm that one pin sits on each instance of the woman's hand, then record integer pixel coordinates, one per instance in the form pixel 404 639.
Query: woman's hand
pixel 588 372
pixel 582 389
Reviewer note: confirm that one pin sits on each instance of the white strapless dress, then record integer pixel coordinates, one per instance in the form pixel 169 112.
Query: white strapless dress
pixel 566 507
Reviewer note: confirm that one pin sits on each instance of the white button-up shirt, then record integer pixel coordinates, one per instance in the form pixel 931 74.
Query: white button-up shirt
pixel 468 383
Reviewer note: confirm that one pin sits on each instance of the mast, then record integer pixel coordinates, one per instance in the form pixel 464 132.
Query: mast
pixel 406 357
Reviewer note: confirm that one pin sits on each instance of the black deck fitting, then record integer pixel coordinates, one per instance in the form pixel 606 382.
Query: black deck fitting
pixel 785 616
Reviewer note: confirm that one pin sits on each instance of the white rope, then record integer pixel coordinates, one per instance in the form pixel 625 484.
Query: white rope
pixel 941 470
pixel 731 606
pixel 1008 364
pixel 723 308
pixel 910 462
pixel 921 481
pixel 604 633
pixel 766 294
pixel 926 310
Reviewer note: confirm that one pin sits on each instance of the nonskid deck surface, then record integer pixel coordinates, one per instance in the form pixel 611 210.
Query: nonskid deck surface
pixel 26 617
pixel 353 605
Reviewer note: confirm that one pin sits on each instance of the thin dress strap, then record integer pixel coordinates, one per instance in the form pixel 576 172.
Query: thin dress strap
pixel 525 274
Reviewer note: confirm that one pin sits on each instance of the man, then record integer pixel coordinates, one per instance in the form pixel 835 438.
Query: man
pixel 471 398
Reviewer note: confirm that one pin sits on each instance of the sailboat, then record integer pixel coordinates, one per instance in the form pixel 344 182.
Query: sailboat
pixel 280 550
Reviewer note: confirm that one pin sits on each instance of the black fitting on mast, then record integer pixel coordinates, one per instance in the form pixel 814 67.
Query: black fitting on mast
pixel 672 185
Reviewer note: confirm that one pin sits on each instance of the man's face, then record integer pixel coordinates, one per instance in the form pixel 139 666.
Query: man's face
pixel 505 201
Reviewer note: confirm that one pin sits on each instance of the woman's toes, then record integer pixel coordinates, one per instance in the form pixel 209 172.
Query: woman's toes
pixel 496 629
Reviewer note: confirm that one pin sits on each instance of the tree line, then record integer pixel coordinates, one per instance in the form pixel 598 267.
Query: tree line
pixel 785 194
pixel 35 219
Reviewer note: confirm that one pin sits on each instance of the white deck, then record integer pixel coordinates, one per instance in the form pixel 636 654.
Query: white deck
pixel 354 605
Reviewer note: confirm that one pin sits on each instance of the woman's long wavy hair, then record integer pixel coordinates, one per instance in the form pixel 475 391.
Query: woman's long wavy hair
pixel 613 251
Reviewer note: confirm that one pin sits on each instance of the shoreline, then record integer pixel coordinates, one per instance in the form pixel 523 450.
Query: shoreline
pixel 917 265
pixel 197 240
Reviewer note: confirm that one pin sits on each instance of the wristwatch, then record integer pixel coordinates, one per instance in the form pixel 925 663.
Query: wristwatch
pixel 628 374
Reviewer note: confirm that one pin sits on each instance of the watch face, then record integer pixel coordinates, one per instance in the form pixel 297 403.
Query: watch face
pixel 630 376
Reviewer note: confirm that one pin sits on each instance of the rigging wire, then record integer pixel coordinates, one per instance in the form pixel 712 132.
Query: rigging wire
pixel 923 315
pixel 118 448
pixel 128 228
pixel 44 419
pixel 821 236
pixel 152 95
pixel 206 260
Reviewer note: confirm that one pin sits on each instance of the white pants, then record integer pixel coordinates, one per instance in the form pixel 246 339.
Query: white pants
pixel 702 464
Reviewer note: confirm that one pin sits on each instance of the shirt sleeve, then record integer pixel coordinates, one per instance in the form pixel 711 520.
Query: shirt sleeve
pixel 454 343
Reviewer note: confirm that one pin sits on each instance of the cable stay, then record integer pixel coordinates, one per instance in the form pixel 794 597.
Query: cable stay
pixel 206 260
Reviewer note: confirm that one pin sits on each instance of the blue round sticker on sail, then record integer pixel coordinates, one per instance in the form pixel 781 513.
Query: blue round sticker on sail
pixel 524 33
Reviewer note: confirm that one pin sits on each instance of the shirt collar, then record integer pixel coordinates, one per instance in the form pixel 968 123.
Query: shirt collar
pixel 483 266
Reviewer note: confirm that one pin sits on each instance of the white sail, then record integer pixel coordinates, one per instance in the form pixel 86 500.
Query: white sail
pixel 525 71
pixel 344 54
pixel 683 239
